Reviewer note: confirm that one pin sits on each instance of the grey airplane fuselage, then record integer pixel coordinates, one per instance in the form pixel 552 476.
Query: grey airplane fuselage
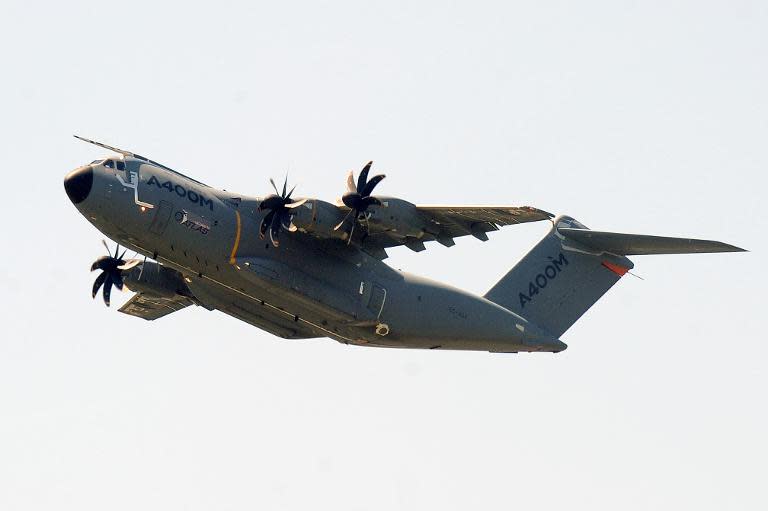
pixel 307 287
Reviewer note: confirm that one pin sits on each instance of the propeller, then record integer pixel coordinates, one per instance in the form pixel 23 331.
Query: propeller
pixel 279 206
pixel 111 267
pixel 358 197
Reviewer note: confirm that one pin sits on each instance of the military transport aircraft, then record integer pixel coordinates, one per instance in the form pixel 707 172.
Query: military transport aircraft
pixel 303 268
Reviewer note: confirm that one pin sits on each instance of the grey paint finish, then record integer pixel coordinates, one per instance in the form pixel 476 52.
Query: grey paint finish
pixel 316 285
pixel 557 281
pixel 639 244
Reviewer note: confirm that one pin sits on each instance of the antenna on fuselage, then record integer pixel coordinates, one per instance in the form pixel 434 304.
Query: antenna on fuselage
pixel 105 146
pixel 127 153
pixel 124 152
pixel 137 156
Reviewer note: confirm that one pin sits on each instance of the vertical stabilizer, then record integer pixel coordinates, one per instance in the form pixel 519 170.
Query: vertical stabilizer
pixel 572 267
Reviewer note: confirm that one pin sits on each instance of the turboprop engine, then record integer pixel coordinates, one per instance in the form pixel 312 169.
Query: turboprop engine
pixel 146 277
pixel 155 279
pixel 320 218
pixel 357 214
pixel 396 216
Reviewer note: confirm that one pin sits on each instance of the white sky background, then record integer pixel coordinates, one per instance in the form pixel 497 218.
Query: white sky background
pixel 631 116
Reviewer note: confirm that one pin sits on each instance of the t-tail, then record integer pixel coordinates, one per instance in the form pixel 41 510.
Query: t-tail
pixel 573 266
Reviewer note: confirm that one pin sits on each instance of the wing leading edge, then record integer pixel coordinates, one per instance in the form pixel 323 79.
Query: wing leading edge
pixel 444 223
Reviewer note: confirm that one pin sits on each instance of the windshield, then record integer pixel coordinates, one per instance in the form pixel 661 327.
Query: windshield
pixel 114 164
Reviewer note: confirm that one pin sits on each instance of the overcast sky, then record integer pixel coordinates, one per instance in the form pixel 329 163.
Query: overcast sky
pixel 646 117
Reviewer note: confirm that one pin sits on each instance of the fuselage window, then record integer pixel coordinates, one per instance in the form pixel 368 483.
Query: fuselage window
pixel 120 165
pixel 109 164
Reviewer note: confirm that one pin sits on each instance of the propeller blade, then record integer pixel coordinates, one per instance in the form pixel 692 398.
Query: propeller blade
pixel 351 188
pixel 273 239
pixel 265 223
pixel 271 202
pixel 279 216
pixel 271 219
pixel 351 200
pixel 123 254
pixel 296 204
pixel 99 263
pixel 129 265
pixel 285 222
pixel 107 289
pixel 351 231
pixel 363 177
pixel 117 280
pixel 340 224
pixel 368 189
pixel 274 230
pixel 117 249
pixel 104 242
pixel 98 283
pixel 262 229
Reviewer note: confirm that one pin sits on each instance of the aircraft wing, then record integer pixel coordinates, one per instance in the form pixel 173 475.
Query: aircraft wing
pixel 455 221
pixel 150 308
pixel 448 222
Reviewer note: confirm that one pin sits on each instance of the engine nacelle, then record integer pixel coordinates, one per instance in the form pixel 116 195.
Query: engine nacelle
pixel 318 218
pixel 397 216
pixel 154 279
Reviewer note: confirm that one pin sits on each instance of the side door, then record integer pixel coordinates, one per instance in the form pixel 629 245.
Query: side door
pixel 162 217
pixel 376 299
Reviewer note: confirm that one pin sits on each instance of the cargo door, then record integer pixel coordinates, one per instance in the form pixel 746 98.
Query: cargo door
pixel 161 219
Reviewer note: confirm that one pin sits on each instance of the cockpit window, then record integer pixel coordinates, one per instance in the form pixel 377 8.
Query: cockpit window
pixel 109 164
pixel 120 165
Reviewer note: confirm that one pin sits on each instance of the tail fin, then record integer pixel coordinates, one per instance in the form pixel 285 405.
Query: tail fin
pixel 572 267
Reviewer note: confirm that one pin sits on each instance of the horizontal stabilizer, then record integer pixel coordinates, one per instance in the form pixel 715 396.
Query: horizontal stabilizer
pixel 641 244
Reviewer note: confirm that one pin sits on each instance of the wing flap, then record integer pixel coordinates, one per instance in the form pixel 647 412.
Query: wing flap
pixel 500 215
pixel 455 221
pixel 444 223
pixel 150 308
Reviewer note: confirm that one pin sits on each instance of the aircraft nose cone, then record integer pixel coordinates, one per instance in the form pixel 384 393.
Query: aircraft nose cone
pixel 78 184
